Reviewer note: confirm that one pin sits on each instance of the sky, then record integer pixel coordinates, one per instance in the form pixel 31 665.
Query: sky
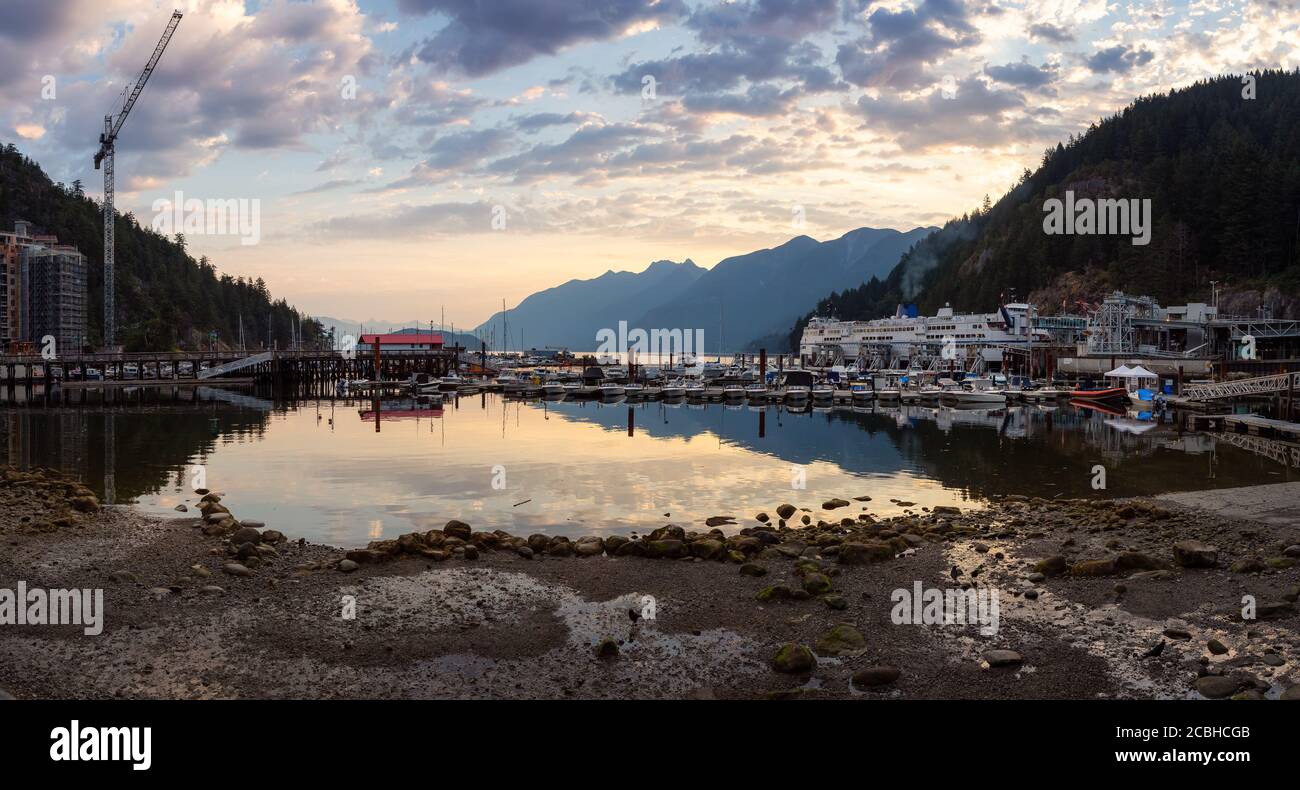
pixel 410 157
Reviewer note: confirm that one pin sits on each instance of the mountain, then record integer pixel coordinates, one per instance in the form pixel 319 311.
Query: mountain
pixel 744 297
pixel 347 326
pixel 569 315
pixel 165 298
pixel 1221 171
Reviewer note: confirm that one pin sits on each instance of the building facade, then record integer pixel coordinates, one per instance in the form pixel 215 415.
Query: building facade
pixel 43 290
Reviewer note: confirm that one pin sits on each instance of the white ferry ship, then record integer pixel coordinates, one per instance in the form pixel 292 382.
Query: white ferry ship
pixel 906 336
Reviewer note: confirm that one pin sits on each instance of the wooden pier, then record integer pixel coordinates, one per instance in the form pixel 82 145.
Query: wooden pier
pixel 280 368
pixel 1247 424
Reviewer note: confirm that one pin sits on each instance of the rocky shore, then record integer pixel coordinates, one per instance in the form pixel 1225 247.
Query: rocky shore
pixel 1095 599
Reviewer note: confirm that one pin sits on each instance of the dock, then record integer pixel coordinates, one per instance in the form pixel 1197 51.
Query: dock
pixel 1248 424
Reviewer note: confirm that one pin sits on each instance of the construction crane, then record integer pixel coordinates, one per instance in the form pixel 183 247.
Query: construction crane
pixel 104 156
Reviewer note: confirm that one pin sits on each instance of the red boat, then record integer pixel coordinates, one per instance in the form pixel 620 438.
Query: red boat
pixel 1109 393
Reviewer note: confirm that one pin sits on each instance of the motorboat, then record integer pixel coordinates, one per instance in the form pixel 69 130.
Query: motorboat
pixel 610 390
pixel 733 392
pixel 756 392
pixel 673 389
pixel 450 383
pixel 553 387
pixel 1100 394
pixel 975 392
pixel 823 392
pixel 634 390
pixel 861 392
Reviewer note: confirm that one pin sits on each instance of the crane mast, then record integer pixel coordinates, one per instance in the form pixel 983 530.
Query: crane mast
pixel 104 156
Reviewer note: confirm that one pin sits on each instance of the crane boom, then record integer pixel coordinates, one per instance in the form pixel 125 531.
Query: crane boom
pixel 105 156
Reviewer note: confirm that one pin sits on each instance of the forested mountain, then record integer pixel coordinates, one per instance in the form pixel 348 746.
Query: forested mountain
pixel 1222 172
pixel 165 298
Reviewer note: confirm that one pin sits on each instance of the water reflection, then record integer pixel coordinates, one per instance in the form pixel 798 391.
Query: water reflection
pixel 349 470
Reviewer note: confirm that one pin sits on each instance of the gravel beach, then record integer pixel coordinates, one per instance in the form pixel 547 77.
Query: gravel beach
pixel 1095 599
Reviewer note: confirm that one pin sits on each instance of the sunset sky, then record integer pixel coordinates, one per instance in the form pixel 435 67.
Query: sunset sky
pixel 379 203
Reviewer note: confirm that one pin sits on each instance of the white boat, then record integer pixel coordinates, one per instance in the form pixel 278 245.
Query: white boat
pixel 696 390
pixel 553 388
pixel 714 392
pixel 798 393
pixel 673 389
pixel 634 390
pixel 450 383
pixel 612 390
pixel 512 385
pixel 861 393
pixel 733 392
pixel 976 392
pixel 823 392
pixel 756 392
pixel 572 387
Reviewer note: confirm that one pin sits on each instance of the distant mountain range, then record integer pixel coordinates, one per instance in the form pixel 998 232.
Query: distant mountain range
pixel 742 299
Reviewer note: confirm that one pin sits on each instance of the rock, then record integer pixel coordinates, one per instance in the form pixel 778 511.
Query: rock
pixel 1003 658
pixel 1194 554
pixel 1270 609
pixel 777 592
pixel 85 504
pixel 718 521
pixel 1216 647
pixel 612 544
pixel 1250 565
pixel 470 552
pixel 1291 693
pixel 832 504
pixel 244 535
pixel 589 546
pixel 212 589
pixel 559 547
pixel 660 549
pixel 1280 563
pixel 181 509
pixel 946 510
pixel 841 640
pixel 236 569
pixel 668 532
pixel 1137 561
pixel 271 535
pixel 836 602
pixel 1217 686
pixel 871 677
pixel 1292 551
pixel 816 583
pixel 793 659
pixel 200 571
pixel 786 511
pixel 763 517
pixel 608 648
pixel 1052 566
pixel 457 529
pixel 364 556
pixel 1103 567
pixel 854 553
pixel 752 569
pixel 525 552
pixel 708 549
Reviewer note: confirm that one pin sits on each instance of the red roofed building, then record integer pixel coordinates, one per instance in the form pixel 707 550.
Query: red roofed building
pixel 401 341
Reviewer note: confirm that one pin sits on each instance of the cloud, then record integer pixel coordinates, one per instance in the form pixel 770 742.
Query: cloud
pixel 1119 59
pixel 901 44
pixel 1046 31
pixel 1022 75
pixel 975 115
pixel 482 39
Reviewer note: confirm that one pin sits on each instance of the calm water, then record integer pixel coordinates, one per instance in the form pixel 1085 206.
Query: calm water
pixel 338 472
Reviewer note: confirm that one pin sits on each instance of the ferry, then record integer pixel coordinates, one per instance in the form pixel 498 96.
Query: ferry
pixel 905 334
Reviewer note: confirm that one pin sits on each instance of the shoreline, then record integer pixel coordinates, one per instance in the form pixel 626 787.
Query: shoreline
pixel 1094 603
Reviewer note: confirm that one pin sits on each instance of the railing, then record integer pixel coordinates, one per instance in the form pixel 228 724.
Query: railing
pixel 1242 387
pixel 239 364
